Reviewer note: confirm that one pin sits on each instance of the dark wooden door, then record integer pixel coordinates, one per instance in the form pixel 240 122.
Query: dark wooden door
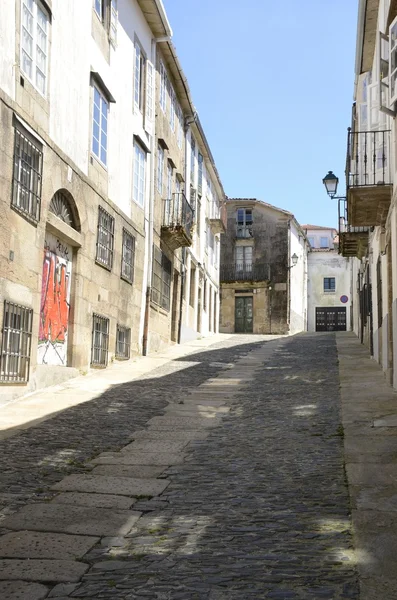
pixel 331 319
pixel 244 320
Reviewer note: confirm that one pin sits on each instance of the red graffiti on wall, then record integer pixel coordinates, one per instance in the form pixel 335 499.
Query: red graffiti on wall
pixel 54 309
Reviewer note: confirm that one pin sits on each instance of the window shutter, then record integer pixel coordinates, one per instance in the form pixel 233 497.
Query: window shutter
pixel 383 66
pixel 113 22
pixel 393 62
pixel 374 116
pixel 149 112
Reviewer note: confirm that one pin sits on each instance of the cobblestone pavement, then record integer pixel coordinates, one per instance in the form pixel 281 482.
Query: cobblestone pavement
pixel 236 491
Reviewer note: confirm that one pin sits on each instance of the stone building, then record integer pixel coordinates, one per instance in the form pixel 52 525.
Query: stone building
pixel 82 234
pixel 329 282
pixel 368 215
pixel 263 270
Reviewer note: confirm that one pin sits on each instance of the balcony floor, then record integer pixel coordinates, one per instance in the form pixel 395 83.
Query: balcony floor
pixel 369 205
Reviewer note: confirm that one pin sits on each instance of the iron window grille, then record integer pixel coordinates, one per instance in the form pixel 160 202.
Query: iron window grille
pixel 161 279
pixel 123 342
pixel 100 341
pixel 16 343
pixel 127 257
pixel 329 284
pixel 105 239
pixel 27 176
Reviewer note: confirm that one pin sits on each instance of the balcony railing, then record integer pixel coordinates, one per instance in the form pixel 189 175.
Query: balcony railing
pixel 245 272
pixel 244 231
pixel 177 220
pixel 368 158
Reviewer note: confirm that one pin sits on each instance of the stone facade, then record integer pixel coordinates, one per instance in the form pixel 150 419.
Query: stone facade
pixel 260 274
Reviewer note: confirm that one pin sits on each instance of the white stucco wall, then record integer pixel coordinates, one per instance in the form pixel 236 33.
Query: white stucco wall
pixel 298 281
pixel 7 47
pixel 327 264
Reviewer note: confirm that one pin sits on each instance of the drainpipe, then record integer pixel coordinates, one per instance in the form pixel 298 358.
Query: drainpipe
pixel 145 338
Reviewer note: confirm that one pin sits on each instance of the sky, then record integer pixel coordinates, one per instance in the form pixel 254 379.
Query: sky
pixel 273 85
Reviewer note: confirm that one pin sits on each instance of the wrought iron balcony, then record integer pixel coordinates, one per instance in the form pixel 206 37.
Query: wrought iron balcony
pixel 244 272
pixel 217 217
pixel 244 231
pixel 177 221
pixel 353 240
pixel 368 177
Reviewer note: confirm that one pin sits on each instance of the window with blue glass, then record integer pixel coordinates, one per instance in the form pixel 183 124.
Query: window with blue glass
pixel 329 284
pixel 100 126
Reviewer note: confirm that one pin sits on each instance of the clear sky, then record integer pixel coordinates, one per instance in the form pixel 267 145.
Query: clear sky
pixel 273 85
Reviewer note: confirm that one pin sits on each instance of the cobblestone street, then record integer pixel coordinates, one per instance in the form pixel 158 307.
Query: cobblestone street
pixel 218 476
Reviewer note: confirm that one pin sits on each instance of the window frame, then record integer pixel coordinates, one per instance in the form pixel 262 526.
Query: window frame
pixel 329 289
pixel 139 175
pixel 160 169
pixel 102 131
pixel 103 348
pixel 244 225
pixel 163 87
pixel 129 278
pixel 139 77
pixel 16 336
pixel 126 355
pixel 37 5
pixel 34 174
pixel 108 233
pixel 324 245
pixel 161 279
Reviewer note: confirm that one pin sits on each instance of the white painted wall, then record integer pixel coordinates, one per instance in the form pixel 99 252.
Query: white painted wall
pixel 7 47
pixel 327 264
pixel 298 281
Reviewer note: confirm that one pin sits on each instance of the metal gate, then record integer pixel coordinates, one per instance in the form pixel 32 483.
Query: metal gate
pixel 244 320
pixel 331 319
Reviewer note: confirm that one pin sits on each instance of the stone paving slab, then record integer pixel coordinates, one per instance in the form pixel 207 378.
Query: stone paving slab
pixel 184 423
pixel 370 474
pixel 155 446
pixel 122 486
pixel 180 435
pixel 42 570
pixel 96 500
pixel 62 590
pixel 22 590
pixel 140 458
pixel 72 519
pixel 138 471
pixel 35 544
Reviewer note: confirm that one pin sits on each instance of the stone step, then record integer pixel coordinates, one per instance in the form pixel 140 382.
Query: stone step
pixel 77 520
pixel 36 544
pixel 96 500
pixel 137 471
pixel 42 570
pixel 122 486
pixel 22 590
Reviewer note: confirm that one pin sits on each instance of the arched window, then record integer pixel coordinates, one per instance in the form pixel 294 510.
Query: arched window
pixel 62 206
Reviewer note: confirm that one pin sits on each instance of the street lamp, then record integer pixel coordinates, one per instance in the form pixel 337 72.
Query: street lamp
pixel 331 184
pixel 294 260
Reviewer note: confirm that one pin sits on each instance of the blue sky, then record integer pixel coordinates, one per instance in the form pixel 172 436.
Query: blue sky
pixel 273 85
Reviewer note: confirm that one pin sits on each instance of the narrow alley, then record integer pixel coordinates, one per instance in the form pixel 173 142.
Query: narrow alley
pixel 219 475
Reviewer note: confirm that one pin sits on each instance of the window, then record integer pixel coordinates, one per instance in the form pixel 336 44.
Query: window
pixel 243 256
pixel 34 43
pixel 99 6
pixel 169 182
pixel 160 169
pixel 161 279
pixel 163 87
pixel 244 223
pixel 138 192
pixel 123 342
pixel 205 294
pixel 139 77
pixel 100 341
pixel 179 115
pixel 172 108
pixel 27 175
pixel 192 161
pixel 16 344
pixel 113 22
pixel 324 242
pixel 127 257
pixel 216 253
pixel 105 239
pixel 100 126
pixel 149 93
pixel 311 241
pixel 200 174
pixel 192 286
pixel 329 284
pixel 198 216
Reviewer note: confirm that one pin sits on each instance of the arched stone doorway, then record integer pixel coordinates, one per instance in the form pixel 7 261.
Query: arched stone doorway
pixel 61 238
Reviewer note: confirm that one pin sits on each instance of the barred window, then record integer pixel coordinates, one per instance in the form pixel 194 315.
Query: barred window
pixel 161 279
pixel 16 343
pixel 127 257
pixel 100 341
pixel 123 342
pixel 28 169
pixel 105 239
